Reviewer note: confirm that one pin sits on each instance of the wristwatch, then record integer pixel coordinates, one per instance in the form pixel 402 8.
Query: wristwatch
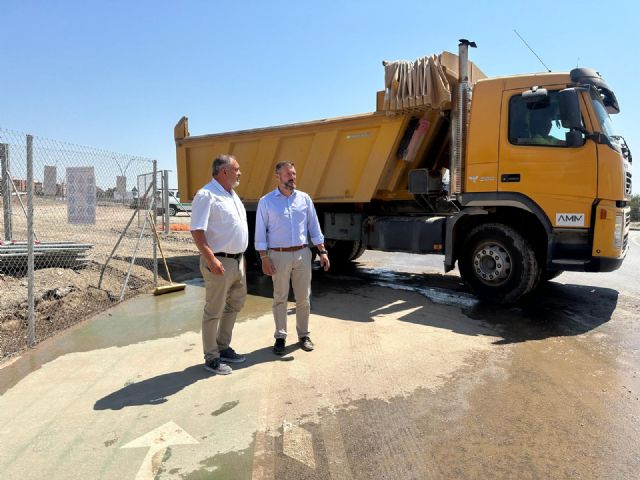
pixel 323 252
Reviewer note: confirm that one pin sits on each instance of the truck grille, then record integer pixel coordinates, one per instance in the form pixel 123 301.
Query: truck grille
pixel 627 184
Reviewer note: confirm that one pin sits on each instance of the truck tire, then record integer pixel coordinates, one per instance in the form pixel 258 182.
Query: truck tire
pixel 344 251
pixel 254 263
pixel 498 263
pixel 172 211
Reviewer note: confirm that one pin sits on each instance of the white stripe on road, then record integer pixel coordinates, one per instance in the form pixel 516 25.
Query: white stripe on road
pixel 297 443
pixel 157 442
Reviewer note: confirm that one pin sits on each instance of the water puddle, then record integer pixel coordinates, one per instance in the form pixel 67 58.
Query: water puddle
pixel 142 318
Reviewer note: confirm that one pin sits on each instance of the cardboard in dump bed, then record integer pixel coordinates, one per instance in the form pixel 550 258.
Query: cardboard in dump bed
pixel 351 159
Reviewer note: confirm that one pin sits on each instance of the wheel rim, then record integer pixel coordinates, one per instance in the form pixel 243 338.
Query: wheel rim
pixel 492 263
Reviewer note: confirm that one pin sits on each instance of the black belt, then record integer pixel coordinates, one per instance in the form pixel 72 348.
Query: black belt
pixel 235 256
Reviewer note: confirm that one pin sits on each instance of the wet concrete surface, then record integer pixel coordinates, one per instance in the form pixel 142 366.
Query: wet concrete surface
pixel 146 318
pixel 412 377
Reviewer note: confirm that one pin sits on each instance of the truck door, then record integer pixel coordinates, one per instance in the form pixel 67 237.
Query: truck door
pixel 535 161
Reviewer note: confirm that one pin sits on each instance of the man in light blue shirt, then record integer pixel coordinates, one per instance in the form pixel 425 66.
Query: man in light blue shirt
pixel 285 222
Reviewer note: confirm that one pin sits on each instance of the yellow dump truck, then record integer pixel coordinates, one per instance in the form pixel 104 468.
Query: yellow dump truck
pixel 515 178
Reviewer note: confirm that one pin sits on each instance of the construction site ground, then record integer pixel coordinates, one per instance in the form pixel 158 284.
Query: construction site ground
pixel 411 378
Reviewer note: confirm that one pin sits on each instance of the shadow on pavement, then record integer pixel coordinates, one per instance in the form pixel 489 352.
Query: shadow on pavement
pixel 155 390
pixel 152 391
pixel 555 310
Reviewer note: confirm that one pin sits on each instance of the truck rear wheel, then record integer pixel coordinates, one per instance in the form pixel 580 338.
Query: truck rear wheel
pixel 498 263
pixel 343 251
pixel 172 211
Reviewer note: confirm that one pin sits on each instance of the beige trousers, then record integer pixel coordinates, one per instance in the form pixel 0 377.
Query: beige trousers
pixel 225 296
pixel 294 267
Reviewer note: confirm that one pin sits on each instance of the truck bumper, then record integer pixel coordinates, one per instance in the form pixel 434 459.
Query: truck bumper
pixel 600 250
pixel 601 264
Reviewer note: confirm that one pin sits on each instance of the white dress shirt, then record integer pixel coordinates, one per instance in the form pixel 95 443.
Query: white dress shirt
pixel 283 221
pixel 223 218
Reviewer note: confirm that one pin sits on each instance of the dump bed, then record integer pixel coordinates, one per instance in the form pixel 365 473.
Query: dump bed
pixel 351 159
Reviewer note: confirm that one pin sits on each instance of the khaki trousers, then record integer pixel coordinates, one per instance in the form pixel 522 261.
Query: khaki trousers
pixel 294 267
pixel 225 296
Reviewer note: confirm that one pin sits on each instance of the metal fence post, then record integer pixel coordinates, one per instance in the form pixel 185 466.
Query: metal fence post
pixel 67 216
pixel 155 222
pixel 6 190
pixel 165 198
pixel 31 329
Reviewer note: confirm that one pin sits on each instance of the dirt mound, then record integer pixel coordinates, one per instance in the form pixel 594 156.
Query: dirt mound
pixel 65 297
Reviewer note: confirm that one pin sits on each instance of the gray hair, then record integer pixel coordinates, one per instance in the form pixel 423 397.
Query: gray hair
pixel 219 162
pixel 279 165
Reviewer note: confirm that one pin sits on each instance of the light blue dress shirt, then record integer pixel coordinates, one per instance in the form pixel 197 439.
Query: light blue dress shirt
pixel 283 221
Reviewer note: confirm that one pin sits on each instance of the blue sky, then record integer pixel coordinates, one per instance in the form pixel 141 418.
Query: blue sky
pixel 118 74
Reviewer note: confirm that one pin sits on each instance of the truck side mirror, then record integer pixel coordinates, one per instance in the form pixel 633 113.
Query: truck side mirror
pixel 574 138
pixel 570 109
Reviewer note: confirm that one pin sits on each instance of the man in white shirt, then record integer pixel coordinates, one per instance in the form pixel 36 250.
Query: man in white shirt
pixel 219 230
pixel 285 220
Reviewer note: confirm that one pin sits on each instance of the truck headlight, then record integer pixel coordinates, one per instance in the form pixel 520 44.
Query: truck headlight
pixel 619 231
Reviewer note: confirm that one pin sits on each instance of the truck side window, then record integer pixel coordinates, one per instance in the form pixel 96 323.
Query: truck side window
pixel 536 123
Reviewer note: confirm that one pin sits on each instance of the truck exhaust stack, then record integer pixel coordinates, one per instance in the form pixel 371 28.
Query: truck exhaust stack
pixel 460 114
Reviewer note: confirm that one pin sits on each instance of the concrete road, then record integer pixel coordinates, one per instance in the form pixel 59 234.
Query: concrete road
pixel 411 378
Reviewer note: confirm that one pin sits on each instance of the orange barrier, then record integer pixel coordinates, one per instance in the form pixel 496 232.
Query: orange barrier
pixel 175 227
pixel 179 227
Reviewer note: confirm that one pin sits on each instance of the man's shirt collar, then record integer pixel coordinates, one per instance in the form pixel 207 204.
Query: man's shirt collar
pixel 279 193
pixel 219 187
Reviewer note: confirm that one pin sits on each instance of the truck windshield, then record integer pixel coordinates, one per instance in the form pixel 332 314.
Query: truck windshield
pixel 603 116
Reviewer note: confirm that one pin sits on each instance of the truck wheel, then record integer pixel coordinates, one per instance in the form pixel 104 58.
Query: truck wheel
pixel 498 263
pixel 343 251
pixel 172 211
pixel 253 257
pixel 358 253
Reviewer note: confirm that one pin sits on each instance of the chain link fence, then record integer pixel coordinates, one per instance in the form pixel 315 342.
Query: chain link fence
pixel 89 215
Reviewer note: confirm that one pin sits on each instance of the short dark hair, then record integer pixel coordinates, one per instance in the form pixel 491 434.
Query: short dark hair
pixel 219 162
pixel 279 165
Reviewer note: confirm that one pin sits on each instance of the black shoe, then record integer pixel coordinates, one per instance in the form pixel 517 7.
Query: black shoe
pixel 230 355
pixel 216 366
pixel 278 347
pixel 306 344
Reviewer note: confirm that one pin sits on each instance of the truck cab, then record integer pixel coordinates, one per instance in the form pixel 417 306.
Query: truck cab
pixel 543 158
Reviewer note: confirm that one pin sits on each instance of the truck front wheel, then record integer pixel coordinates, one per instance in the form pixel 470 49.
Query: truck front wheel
pixel 172 211
pixel 498 263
